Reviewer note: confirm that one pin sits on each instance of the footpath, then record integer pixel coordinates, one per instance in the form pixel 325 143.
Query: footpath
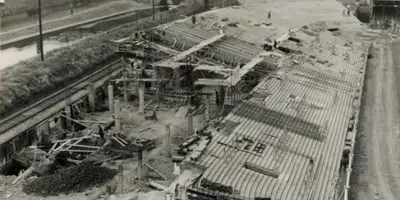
pixel 63 19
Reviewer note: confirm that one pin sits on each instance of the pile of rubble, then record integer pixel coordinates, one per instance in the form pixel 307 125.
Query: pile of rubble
pixel 72 179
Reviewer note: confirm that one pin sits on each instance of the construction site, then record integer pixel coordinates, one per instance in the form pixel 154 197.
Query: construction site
pixel 261 100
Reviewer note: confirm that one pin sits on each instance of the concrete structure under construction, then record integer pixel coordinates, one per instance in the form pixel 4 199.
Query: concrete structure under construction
pixel 290 72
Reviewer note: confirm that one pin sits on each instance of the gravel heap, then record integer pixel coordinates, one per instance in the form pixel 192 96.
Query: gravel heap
pixel 72 179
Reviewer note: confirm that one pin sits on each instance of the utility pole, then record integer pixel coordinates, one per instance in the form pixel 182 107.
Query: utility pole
pixel 40 30
pixel 154 16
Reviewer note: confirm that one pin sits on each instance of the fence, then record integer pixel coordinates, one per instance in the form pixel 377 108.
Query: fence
pixel 353 140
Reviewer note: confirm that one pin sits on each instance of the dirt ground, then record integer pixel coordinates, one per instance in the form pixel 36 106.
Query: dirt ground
pixel 377 161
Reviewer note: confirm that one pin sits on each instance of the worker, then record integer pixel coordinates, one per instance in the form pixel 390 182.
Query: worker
pixel 269 14
pixel 348 12
pixel 311 161
pixel 344 11
pixel 275 44
pixel 217 98
pixel 193 19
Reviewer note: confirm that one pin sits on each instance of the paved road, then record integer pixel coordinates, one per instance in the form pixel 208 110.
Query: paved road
pixel 379 177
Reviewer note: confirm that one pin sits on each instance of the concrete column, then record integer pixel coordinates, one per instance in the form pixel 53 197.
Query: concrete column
pixel 110 97
pixel 207 108
pixel 14 146
pixel 190 123
pixel 91 97
pixel 141 97
pixel 68 123
pixel 168 152
pixel 117 115
pixel 125 87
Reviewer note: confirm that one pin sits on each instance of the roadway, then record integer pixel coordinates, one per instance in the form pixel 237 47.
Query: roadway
pixel 377 163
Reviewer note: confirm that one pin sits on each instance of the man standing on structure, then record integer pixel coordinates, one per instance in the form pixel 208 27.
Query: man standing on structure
pixel 269 14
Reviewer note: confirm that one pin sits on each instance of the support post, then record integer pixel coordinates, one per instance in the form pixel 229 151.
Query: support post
pixel 125 88
pixel 110 97
pixel 207 108
pixel 121 171
pixel 68 123
pixel 117 116
pixel 91 97
pixel 141 97
pixel 140 162
pixel 40 31
pixel 190 123
pixel 168 152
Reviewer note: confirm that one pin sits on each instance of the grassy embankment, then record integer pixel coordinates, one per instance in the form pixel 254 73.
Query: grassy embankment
pixel 29 80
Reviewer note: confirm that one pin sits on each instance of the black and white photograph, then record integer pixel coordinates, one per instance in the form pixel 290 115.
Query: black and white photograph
pixel 199 100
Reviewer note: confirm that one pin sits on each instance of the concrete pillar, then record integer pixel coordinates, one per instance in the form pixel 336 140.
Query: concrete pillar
pixel 125 87
pixel 190 123
pixel 168 152
pixel 91 97
pixel 117 115
pixel 207 108
pixel 14 146
pixel 111 97
pixel 141 97
pixel 68 123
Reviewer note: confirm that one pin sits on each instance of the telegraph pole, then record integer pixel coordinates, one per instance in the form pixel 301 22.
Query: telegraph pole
pixel 154 16
pixel 40 30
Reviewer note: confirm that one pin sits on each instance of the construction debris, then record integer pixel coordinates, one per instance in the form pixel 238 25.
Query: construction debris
pixel 73 179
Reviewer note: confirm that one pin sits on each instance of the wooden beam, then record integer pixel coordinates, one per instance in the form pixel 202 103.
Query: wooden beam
pixel 169 64
pixel 199 46
pixel 142 79
pixel 244 70
pixel 86 146
pixel 215 68
pixel 78 151
pixel 157 172
pixel 207 81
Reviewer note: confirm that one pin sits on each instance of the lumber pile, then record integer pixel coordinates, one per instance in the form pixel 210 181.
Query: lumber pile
pixel 73 179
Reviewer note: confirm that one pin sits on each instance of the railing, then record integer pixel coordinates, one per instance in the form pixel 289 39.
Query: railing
pixel 353 140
